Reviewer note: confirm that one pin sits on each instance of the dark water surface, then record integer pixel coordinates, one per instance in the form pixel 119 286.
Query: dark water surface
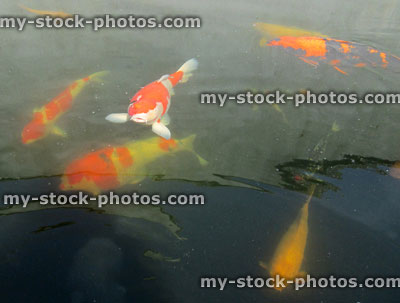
pixel 261 162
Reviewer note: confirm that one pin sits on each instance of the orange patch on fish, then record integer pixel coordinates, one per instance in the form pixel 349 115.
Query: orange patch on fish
pixel 35 129
pixel 361 64
pixel 384 61
pixel 96 167
pixel 335 62
pixel 345 47
pixel 52 110
pixel 373 51
pixel 64 101
pixel 175 77
pixel 340 70
pixel 124 156
pixel 113 167
pixel 312 46
pixel 166 145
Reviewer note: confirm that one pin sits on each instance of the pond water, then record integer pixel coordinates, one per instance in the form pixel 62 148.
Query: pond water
pixel 262 160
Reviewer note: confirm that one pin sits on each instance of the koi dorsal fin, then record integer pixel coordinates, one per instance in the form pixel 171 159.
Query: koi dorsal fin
pixel 165 77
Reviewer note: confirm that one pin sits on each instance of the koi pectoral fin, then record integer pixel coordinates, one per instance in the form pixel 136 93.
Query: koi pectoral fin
pixel 166 120
pixel 161 130
pixel 308 61
pixel 263 42
pixel 58 131
pixel 202 161
pixel 340 70
pixel 118 118
pixel 137 179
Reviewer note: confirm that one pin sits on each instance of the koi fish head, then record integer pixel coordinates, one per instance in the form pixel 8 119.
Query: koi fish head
pixel 94 173
pixel 276 30
pixel 145 111
pixel 34 130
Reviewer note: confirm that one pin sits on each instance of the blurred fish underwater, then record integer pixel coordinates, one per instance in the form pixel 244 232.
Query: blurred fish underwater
pixel 112 167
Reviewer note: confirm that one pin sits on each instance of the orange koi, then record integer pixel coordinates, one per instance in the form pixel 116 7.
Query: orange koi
pixel 44 118
pixel 113 167
pixel 337 53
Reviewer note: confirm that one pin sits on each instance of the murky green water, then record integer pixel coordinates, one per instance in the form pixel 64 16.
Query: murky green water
pixel 261 162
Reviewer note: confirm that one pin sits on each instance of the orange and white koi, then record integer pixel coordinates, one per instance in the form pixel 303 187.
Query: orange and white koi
pixel 150 105
pixel 44 118
pixel 112 167
pixel 337 53
pixel 46 13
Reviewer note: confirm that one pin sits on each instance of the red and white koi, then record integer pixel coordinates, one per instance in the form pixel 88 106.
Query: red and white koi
pixel 150 104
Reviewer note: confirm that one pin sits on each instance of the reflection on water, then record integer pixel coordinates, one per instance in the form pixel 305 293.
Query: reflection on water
pixel 262 161
pixel 296 174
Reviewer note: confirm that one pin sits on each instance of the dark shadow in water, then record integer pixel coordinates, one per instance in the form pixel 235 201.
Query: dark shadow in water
pixel 230 181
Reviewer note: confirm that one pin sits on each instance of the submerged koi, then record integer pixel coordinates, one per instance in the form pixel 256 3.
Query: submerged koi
pixel 337 53
pixel 113 167
pixel 44 118
pixel 150 104
pixel 46 13
pixel 289 255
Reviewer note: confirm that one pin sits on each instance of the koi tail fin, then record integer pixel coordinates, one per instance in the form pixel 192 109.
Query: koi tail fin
pixel 310 196
pixel 188 144
pixel 27 8
pixel 98 77
pixel 187 68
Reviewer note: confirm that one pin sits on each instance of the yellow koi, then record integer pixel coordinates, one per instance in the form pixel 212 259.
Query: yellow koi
pixel 270 31
pixel 112 167
pixel 289 255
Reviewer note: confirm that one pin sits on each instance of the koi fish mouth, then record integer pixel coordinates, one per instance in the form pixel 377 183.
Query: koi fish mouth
pixel 139 118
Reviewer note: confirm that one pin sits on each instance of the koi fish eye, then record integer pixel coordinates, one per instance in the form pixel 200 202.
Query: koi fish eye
pixel 131 109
